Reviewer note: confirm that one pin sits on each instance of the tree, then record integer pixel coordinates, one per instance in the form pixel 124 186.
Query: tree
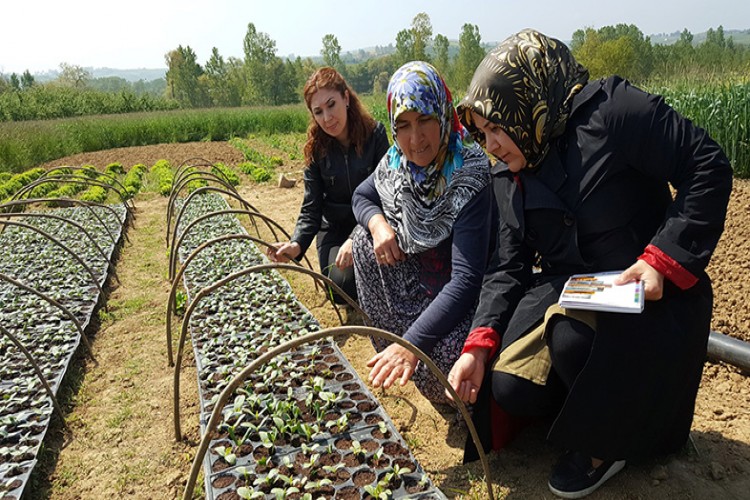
pixel 470 54
pixel 442 63
pixel 217 82
pixel 27 80
pixel 404 46
pixel 421 29
pixel 331 53
pixel 183 77
pixel 614 50
pixel 15 83
pixel 73 76
pixel 260 55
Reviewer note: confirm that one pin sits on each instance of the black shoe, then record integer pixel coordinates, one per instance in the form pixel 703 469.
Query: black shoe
pixel 575 477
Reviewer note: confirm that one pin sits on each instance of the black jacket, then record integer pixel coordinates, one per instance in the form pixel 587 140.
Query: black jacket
pixel 598 199
pixel 329 185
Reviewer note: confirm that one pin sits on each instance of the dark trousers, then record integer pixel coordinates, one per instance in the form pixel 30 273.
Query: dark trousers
pixel 329 242
pixel 570 343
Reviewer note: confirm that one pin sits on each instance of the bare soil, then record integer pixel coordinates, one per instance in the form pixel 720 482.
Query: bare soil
pixel 122 445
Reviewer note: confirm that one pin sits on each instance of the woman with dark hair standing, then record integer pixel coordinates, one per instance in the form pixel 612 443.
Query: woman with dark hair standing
pixel 583 186
pixel 344 144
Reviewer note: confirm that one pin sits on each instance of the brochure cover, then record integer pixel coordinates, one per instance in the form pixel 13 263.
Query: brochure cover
pixel 598 292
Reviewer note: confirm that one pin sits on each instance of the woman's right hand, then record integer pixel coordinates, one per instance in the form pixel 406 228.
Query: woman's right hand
pixel 384 241
pixel 282 252
pixel 467 374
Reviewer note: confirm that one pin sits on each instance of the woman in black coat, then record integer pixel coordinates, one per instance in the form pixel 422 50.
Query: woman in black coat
pixel 583 185
pixel 344 144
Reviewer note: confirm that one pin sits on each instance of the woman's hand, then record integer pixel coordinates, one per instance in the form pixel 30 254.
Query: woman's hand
pixel 344 257
pixel 467 374
pixel 394 363
pixel 653 280
pixel 384 241
pixel 282 252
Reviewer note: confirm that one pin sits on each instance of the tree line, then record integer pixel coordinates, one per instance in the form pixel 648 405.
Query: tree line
pixel 261 77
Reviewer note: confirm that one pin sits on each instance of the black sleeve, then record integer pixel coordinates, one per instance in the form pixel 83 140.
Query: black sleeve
pixel 311 212
pixel 510 268
pixel 666 145
pixel 469 253
pixel 366 201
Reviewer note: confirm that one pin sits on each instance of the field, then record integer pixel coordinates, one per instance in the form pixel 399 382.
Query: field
pixel 120 443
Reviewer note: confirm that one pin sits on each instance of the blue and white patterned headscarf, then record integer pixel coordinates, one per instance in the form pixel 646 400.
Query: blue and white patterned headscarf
pixel 422 203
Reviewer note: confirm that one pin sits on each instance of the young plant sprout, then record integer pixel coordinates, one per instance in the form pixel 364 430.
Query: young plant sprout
pixel 379 491
pixel 244 471
pixel 342 423
pixel 383 428
pixel 226 453
pixel 248 494
pixel 400 471
pixel 311 462
pixel 333 469
pixel 357 448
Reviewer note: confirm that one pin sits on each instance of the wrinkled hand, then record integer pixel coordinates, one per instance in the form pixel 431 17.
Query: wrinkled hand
pixel 393 363
pixel 653 280
pixel 282 252
pixel 467 374
pixel 344 257
pixel 384 241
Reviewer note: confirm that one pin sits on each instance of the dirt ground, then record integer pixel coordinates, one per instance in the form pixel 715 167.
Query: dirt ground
pixel 121 444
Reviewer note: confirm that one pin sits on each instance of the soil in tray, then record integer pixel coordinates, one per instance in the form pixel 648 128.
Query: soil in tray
pixel 363 477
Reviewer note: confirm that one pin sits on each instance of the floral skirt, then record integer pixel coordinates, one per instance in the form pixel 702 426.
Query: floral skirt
pixel 393 299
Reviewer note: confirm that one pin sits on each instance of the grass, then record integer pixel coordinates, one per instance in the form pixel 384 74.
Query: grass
pixel 25 144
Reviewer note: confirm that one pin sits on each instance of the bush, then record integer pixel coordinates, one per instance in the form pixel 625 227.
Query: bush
pixel 226 173
pixel 164 175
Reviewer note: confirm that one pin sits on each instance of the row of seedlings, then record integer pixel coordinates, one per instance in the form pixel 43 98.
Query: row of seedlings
pixel 304 425
pixel 54 264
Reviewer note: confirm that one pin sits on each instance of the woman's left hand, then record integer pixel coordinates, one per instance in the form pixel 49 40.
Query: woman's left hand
pixel 344 257
pixel 653 280
pixel 393 363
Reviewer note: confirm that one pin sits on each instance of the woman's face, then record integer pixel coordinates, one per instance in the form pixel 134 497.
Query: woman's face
pixel 418 136
pixel 328 108
pixel 499 144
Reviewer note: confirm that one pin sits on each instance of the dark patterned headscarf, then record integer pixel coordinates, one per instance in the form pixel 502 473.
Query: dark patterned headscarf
pixel 422 203
pixel 526 86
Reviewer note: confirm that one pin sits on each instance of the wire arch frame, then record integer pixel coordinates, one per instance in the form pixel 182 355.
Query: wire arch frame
pixel 64 247
pixel 38 373
pixel 70 179
pixel 31 215
pixel 56 304
pixel 72 201
pixel 122 192
pixel 202 190
pixel 185 165
pixel 185 182
pixel 183 267
pixel 328 332
pixel 211 288
pixel 176 243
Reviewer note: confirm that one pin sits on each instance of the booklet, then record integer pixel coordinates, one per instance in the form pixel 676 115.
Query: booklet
pixel 598 292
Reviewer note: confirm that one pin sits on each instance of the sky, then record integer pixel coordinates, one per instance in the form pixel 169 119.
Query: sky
pixel 40 35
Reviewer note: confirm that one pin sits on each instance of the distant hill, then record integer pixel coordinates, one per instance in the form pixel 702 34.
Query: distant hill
pixel 738 36
pixel 131 75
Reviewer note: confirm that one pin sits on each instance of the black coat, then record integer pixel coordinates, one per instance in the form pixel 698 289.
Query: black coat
pixel 329 185
pixel 598 199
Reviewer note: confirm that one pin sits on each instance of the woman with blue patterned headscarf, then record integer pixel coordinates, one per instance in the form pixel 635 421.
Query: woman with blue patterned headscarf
pixel 426 214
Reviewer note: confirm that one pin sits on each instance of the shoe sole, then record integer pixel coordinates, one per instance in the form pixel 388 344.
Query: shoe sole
pixel 614 469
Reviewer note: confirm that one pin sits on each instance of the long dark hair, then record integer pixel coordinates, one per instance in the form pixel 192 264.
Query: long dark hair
pixel 359 122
